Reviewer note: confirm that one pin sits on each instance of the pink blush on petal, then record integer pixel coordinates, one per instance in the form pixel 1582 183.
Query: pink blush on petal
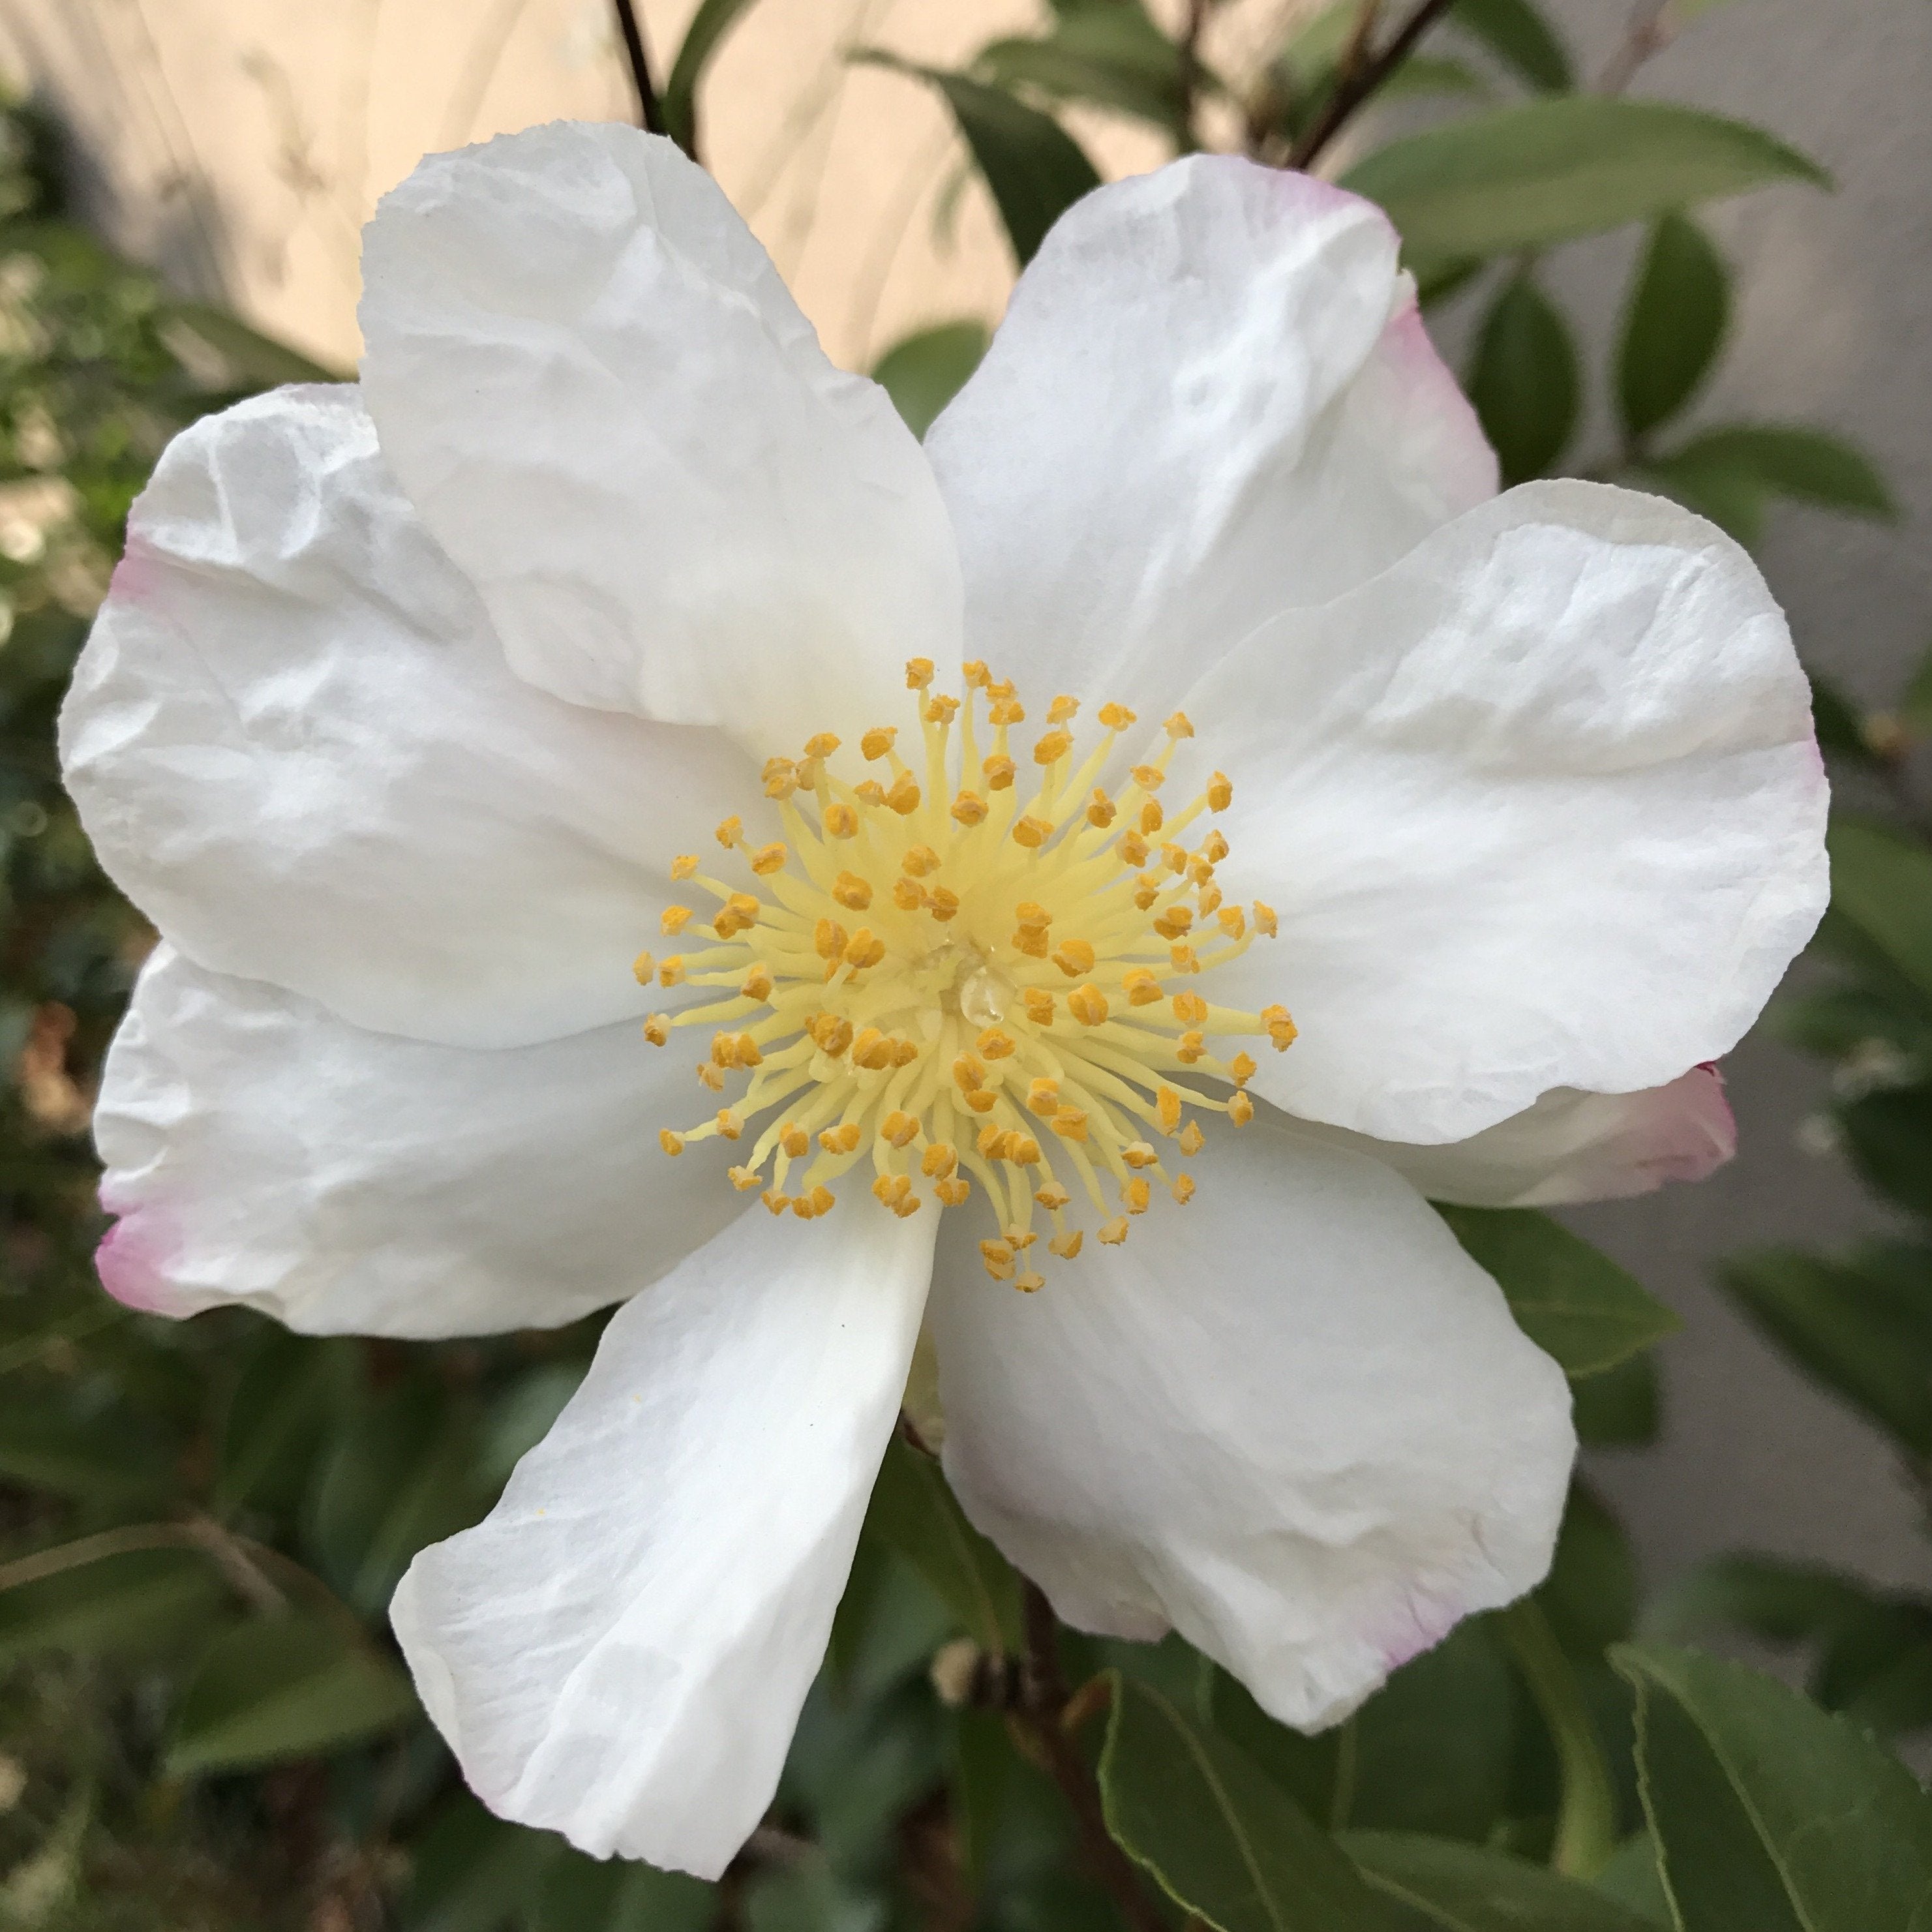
pixel 138 575
pixel 131 1262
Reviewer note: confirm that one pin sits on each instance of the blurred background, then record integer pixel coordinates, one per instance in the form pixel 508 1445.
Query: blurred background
pixel 235 147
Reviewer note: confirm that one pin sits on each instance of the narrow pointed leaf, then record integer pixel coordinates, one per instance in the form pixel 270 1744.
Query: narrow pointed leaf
pixel 1882 884
pixel 1519 36
pixel 709 25
pixel 1789 461
pixel 1467 1888
pixel 1526 385
pixel 925 371
pixel 1677 314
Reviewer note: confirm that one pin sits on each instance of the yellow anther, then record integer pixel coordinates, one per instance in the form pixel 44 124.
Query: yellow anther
pixel 1052 748
pixel 1029 1283
pixel 1230 920
pixel 1183 1188
pixel 991 1142
pixel 780 777
pixel 1138 1154
pixel 952 1192
pixel 1220 792
pixel 1134 1196
pixel 712 1076
pixel 724 1049
pixel 1181 959
pixel 1191 1139
pixel 1241 1069
pixel 1149 777
pixel 1175 858
pixel 1145 896
pixel 840 1139
pixel 852 892
pixel 904 796
pixel 942 903
pixel 904 1053
pixel 1005 688
pixel 1190 1009
pixel 1007 711
pixel 1087 1004
pixel 940 710
pixel 1102 811
pixel 1241 1109
pixel 821 744
pixel 918 674
pixel 757 984
pixel 1052 1197
pixel 1019 1239
pixel 906 1207
pixel 998 771
pixel 1214 847
pixel 832 1034
pixel 671 1143
pixel 869 791
pixel 968 1074
pixel 1031 833
pixel 996 1043
pixel 1069 1123
pixel 642 967
pixel 1031 916
pixel 1132 848
pixel 1151 820
pixel 878 742
pixel 1178 726
pixel 1191 1046
pixel 777 1202
pixel 657 1028
pixel 823 1201
pixel 938 1161
pixel 841 821
pixel 871 1049
pixel 1073 957
pixel 1062 709
pixel 744 1179
pixel 795 1141
pixel 1115 717
pixel 729 1123
pixel 768 859
pixel 1043 1096
pixel 1210 901
pixel 1167 1106
pixel 674 919
pixel 1113 1232
pixel 1264 920
pixel 865 948
pixel 982 1102
pixel 1281 1030
pixel 1176 920
pixel 921 861
pixel 671 972
pixel 809 772
pixel 907 895
pixel 684 865
pixel 1199 872
pixel 1038 1005
pixel 998 1259
pixel 1031 940
pixel 892 1188
pixel 898 1128
pixel 1141 987
pixel 1066 1246
pixel 970 808
pixel 730 831
pixel 975 674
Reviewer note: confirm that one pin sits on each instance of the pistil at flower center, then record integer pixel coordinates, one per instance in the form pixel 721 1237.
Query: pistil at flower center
pixel 957 970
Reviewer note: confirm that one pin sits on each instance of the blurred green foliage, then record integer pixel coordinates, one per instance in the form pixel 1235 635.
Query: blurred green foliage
pixel 204 1726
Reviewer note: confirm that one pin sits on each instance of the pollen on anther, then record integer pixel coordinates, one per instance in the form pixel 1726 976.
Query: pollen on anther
pixel 1087 1004
pixel 643 967
pixel 1191 1139
pixel 671 1143
pixel 1241 1110
pixel 878 742
pixel 1114 1232
pixel 657 1028
pixel 1038 1005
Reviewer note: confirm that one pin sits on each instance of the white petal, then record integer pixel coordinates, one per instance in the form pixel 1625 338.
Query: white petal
pixel 259 1149
pixel 1211 398
pixel 1540 807
pixel 296 746
pixel 590 379
pixel 618 1652
pixel 1574 1146
pixel 1292 1419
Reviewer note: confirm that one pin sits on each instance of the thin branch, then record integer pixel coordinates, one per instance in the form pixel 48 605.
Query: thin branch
pixel 1041 1717
pixel 650 110
pixel 1351 91
pixel 1650 32
pixel 1189 50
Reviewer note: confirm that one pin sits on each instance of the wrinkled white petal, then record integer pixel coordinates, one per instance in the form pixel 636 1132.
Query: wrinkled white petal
pixel 259 1149
pixel 1574 1146
pixel 1211 398
pixel 1292 1421
pixel 297 748
pixel 593 384
pixel 1539 807
pixel 618 1652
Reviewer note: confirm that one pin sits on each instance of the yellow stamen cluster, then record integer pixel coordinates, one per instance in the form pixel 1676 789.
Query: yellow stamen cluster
pixel 955 980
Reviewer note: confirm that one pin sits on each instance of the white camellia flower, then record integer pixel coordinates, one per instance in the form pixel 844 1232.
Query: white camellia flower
pixel 416 703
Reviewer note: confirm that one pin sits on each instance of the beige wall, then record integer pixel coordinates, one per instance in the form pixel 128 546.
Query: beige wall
pixel 243 142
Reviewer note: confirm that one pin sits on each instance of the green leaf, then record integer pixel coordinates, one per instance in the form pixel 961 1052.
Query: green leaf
pixel 223 352
pixel 913 1511
pixel 1526 384
pixel 1113 56
pixel 1034 169
pixel 1517 35
pixel 521 1417
pixel 1787 460
pixel 1551 170
pixel 102 1458
pixel 1881 883
pixel 1863 1330
pixel 1888 1134
pixel 1837 722
pixel 474 1873
pixel 1677 314
pixel 922 372
pixel 1915 707
pixel 1465 1889
pixel 1619 1408
pixel 1221 1840
pixel 139 1600
pixel 890 1622
pixel 1633 1880
pixel 1735 499
pixel 1769 1815
pixel 281 1406
pixel 712 21
pixel 576 1894
pixel 1590 1597
pixel 1572 1302
pixel 1781 1601
pixel 284 1686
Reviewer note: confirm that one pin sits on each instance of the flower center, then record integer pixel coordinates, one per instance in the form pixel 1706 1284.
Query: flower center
pixel 954 976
